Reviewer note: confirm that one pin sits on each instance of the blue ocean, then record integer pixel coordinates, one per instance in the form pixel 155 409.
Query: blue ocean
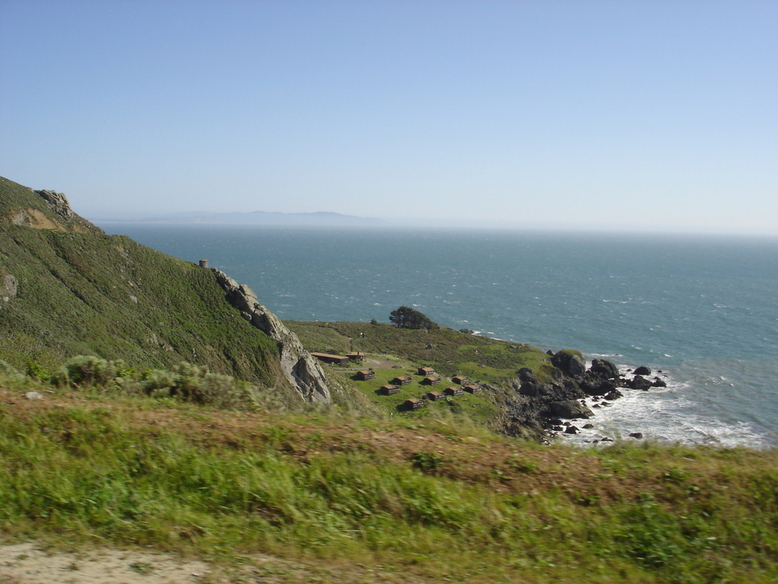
pixel 703 310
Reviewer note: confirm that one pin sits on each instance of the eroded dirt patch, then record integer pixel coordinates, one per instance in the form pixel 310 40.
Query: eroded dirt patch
pixel 29 563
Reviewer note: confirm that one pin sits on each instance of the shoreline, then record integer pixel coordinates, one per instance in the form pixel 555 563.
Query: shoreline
pixel 665 415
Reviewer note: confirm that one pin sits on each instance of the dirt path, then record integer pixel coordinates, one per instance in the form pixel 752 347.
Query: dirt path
pixel 31 563
pixel 28 563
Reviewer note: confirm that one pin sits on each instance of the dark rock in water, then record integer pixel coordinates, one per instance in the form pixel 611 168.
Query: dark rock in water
pixel 621 382
pixel 604 368
pixel 588 426
pixel 643 370
pixel 596 406
pixel 527 376
pixel 636 435
pixel 569 362
pixel 595 384
pixel 615 394
pixel 571 430
pixel 640 382
pixel 659 382
pixel 570 409
pixel 606 439
pixel 557 428
pixel 551 391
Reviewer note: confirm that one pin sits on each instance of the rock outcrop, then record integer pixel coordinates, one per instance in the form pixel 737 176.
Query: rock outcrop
pixel 640 382
pixel 569 362
pixel 545 404
pixel 58 202
pixel 605 368
pixel 570 409
pixel 44 209
pixel 8 286
pixel 299 367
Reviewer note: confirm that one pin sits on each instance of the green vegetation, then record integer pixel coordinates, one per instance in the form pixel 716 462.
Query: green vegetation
pixel 410 318
pixel 184 382
pixel 86 293
pixel 392 351
pixel 448 351
pixel 432 501
pixel 138 408
pixel 479 408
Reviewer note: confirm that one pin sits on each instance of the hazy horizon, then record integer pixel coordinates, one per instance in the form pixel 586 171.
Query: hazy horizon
pixel 596 116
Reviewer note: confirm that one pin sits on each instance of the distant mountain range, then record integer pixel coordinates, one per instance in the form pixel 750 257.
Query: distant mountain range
pixel 321 218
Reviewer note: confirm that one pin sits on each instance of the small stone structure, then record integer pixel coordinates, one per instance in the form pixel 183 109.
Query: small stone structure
pixel 204 264
pixel 453 390
pixel 435 395
pixel 365 374
pixel 426 371
pixel 388 390
pixel 402 380
pixel 473 388
pixel 431 380
pixel 413 403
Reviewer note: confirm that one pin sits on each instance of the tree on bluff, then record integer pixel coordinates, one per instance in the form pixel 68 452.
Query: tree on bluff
pixel 407 317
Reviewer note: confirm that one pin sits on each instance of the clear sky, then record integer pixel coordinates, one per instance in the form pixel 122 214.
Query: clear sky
pixel 617 114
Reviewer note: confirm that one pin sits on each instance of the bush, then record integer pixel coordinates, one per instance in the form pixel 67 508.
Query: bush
pixel 88 371
pixel 36 371
pixel 407 317
pixel 195 384
pixel 185 382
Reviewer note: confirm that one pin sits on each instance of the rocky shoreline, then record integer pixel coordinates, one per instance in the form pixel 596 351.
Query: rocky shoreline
pixel 548 407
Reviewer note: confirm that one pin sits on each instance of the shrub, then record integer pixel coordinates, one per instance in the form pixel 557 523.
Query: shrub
pixel 36 371
pixel 407 317
pixel 195 384
pixel 89 371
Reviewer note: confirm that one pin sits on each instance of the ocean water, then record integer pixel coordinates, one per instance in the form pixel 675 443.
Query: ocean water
pixel 703 310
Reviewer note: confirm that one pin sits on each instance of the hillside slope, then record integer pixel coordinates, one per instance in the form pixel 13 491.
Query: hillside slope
pixel 347 499
pixel 66 288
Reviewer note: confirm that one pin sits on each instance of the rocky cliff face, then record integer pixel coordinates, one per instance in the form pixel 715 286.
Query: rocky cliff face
pixel 58 203
pixel 40 209
pixel 300 368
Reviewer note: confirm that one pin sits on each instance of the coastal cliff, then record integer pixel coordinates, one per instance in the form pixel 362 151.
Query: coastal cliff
pixel 300 368
pixel 67 288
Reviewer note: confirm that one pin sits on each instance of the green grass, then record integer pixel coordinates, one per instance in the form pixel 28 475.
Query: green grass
pixel 481 359
pixel 438 499
pixel 479 407
pixel 86 293
pixel 448 351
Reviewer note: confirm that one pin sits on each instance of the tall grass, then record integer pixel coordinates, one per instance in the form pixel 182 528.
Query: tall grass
pixel 98 471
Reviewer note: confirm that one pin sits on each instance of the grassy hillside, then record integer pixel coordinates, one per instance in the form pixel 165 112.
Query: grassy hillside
pixel 69 289
pixel 448 351
pixel 393 351
pixel 375 500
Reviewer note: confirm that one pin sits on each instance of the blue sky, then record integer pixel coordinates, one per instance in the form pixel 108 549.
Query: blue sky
pixel 613 114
